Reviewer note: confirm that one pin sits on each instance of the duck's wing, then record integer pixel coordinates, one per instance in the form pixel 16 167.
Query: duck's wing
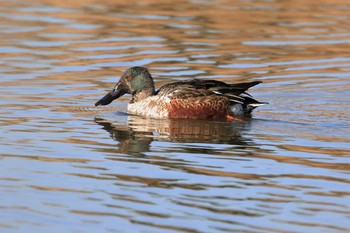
pixel 183 90
pixel 244 86
pixel 197 87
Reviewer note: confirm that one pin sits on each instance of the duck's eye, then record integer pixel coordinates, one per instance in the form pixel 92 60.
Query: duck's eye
pixel 128 78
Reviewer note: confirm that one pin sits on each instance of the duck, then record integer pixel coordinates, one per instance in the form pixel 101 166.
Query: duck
pixel 190 99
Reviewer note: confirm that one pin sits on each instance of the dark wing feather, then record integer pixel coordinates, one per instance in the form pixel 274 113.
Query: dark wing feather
pixel 183 91
pixel 194 84
pixel 245 86
pixel 197 87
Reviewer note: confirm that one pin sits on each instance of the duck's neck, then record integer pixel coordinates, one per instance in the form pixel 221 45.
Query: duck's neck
pixel 141 95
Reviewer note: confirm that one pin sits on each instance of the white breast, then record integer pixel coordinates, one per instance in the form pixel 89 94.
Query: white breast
pixel 152 106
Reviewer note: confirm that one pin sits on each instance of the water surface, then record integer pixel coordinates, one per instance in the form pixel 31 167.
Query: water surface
pixel 67 166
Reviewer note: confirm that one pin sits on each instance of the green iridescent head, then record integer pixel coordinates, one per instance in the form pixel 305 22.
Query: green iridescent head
pixel 136 81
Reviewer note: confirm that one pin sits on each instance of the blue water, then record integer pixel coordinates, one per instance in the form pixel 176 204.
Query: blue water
pixel 67 166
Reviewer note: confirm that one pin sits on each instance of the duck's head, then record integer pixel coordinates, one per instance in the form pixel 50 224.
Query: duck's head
pixel 136 81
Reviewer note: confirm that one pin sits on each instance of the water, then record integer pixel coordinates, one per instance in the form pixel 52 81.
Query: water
pixel 67 166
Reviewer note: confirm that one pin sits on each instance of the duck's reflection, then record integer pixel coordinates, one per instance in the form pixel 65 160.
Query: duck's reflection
pixel 135 134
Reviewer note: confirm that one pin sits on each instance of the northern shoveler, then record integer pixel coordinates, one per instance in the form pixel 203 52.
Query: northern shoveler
pixel 193 99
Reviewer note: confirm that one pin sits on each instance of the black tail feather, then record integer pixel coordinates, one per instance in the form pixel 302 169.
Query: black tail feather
pixel 245 86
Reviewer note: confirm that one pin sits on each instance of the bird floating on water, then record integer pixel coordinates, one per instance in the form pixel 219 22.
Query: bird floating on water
pixel 192 99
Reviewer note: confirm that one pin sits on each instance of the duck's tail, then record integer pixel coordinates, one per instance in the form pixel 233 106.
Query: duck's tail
pixel 245 108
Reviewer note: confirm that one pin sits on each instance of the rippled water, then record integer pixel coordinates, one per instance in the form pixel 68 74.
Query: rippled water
pixel 67 166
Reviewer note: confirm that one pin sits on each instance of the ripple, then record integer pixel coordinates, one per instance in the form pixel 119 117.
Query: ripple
pixel 36 18
pixel 283 43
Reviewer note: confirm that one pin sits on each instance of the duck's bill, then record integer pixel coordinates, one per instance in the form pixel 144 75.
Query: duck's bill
pixel 112 95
